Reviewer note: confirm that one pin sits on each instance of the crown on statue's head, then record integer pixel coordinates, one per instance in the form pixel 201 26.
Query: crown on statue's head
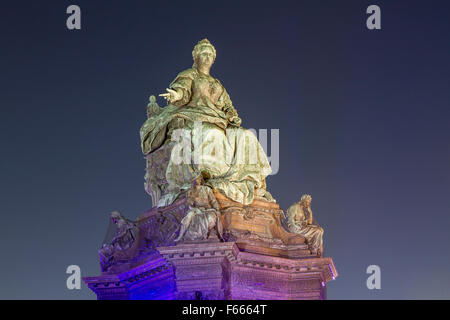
pixel 200 44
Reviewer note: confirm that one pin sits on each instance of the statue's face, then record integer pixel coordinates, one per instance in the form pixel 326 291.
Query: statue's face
pixel 205 57
pixel 306 202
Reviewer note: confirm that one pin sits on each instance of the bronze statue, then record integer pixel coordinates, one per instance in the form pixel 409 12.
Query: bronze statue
pixel 201 112
pixel 120 237
pixel 300 220
pixel 203 215
pixel 217 192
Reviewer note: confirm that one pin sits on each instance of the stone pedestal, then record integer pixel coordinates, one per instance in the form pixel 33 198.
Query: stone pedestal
pixel 255 276
pixel 153 280
pixel 217 271
pixel 259 260
pixel 202 270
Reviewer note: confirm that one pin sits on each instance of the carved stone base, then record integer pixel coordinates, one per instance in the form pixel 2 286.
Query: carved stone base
pixel 258 228
pixel 202 270
pixel 153 280
pixel 259 260
pixel 217 271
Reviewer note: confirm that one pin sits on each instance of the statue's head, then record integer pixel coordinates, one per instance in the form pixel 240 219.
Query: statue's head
pixel 204 53
pixel 306 200
pixel 115 216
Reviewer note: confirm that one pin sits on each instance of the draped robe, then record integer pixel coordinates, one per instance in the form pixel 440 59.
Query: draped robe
pixel 205 122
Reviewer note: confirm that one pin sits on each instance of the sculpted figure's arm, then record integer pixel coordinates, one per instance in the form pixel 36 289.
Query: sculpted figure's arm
pixel 302 216
pixel 225 103
pixel 172 95
pixel 310 214
pixel 190 198
pixel 212 200
pixel 295 216
pixel 180 90
pixel 122 230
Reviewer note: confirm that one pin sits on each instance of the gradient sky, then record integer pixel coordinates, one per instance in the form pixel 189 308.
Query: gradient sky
pixel 363 118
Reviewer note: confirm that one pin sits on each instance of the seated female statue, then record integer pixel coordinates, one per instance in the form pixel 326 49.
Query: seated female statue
pixel 200 111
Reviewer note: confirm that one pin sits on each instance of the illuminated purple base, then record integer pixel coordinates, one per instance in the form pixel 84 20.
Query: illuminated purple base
pixel 216 271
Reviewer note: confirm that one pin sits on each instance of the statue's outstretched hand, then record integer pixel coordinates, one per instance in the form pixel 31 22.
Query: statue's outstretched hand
pixel 171 95
pixel 235 121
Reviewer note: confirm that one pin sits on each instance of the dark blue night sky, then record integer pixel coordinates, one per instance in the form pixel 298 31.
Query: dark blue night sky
pixel 363 118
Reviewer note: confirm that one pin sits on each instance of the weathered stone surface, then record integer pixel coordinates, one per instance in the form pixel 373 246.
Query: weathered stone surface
pixel 258 228
pixel 217 270
pixel 260 260
pixel 152 280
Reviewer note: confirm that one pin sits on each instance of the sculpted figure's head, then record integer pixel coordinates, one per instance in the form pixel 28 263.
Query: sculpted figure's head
pixel 204 54
pixel 115 216
pixel 305 200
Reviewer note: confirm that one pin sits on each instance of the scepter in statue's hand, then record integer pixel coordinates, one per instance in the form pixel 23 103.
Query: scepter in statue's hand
pixel 171 95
